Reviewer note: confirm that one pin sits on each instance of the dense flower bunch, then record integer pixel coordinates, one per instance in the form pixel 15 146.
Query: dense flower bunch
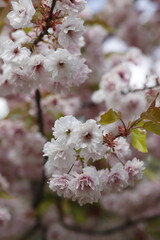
pixel 54 63
pixel 71 156
pixel 104 143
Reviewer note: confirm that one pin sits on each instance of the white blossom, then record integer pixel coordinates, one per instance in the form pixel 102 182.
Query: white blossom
pixel 15 54
pixel 20 37
pixel 4 185
pixel 66 69
pixel 17 79
pixel 96 154
pixel 117 178
pixel 89 136
pixel 64 130
pixel 70 34
pixel 85 186
pixel 59 183
pixel 70 6
pixel 60 159
pixel 5 215
pixel 134 169
pixel 22 13
pixel 37 68
pixel 103 177
pixel 122 148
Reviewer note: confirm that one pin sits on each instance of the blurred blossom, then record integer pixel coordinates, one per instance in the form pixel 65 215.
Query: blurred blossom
pixel 114 44
pixel 147 9
pixel 4 109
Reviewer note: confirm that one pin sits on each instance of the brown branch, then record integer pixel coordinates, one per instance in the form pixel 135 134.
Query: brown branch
pixel 118 228
pixel 39 112
pixel 123 226
pixel 38 192
pixel 37 187
pixel 47 26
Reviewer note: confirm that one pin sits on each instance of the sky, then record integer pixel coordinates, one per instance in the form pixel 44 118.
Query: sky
pixel 96 5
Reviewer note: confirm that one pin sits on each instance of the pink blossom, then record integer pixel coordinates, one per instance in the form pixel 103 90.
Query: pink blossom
pixel 117 178
pixel 22 13
pixel 85 186
pixel 70 34
pixel 134 169
pixel 66 70
pixel 60 183
pixel 5 215
pixel 15 54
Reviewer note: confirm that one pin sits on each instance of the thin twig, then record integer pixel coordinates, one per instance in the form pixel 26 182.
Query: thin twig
pixel 123 124
pixel 145 88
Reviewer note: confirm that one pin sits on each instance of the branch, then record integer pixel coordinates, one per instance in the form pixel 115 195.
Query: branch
pixel 109 231
pixel 38 195
pixel 39 112
pixel 47 26
pixel 145 88
pixel 122 226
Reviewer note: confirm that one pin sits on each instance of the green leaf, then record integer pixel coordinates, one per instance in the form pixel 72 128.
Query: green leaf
pixel 136 123
pixel 4 195
pixel 140 124
pixel 27 30
pixel 152 127
pixel 1 25
pixel 139 140
pixel 153 104
pixel 42 208
pixel 152 114
pixel 109 117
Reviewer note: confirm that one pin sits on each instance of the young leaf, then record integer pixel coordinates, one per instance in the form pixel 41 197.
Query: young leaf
pixel 109 117
pixel 136 123
pixel 153 104
pixel 152 127
pixel 152 114
pixel 139 140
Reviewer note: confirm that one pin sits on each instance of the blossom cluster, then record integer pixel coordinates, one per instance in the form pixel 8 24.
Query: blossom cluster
pixel 15 216
pixel 72 156
pixel 116 81
pixel 36 55
pixel 24 157
pixel 133 201
pixel 44 46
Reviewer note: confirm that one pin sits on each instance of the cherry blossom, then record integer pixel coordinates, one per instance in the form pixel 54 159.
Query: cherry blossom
pixel 22 13
pixel 70 34
pixel 83 112
pixel 15 54
pixel 85 186
pixel 66 70
pixel 134 169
